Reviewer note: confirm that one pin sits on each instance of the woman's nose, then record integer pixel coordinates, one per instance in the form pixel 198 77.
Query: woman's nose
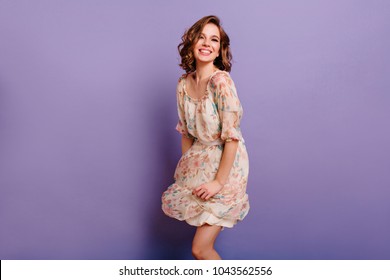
pixel 206 42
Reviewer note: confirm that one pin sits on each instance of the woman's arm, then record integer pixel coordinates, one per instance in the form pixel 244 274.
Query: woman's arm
pixel 186 143
pixel 228 157
pixel 208 190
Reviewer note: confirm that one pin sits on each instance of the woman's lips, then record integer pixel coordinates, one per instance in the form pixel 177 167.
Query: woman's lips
pixel 204 52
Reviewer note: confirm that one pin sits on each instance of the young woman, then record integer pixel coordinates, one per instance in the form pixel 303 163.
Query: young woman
pixel 211 177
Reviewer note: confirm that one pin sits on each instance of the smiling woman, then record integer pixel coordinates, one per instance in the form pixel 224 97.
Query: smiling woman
pixel 211 177
pixel 195 35
pixel 206 50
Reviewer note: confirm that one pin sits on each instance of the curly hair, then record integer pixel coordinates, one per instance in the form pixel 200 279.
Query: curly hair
pixel 191 36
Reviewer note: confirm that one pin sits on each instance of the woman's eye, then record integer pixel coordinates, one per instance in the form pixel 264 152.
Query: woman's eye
pixel 215 40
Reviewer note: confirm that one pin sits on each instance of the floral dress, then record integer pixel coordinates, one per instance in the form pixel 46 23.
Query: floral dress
pixel 209 121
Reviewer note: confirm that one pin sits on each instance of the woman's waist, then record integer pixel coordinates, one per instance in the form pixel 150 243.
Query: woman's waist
pixel 215 142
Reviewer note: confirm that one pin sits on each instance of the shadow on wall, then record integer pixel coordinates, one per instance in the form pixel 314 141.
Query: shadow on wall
pixel 167 238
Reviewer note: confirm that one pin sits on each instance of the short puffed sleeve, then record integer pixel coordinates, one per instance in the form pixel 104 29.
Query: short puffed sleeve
pixel 229 107
pixel 181 126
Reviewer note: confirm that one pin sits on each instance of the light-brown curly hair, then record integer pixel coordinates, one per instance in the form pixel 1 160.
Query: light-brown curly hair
pixel 191 36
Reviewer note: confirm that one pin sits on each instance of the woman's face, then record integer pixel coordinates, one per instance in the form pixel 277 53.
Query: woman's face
pixel 208 46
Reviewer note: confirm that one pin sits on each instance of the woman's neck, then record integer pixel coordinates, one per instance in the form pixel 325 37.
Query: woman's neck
pixel 203 72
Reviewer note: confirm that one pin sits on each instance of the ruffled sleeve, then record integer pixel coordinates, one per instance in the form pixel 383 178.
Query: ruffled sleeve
pixel 181 126
pixel 229 107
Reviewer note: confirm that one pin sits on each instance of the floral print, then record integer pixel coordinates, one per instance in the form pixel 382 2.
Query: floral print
pixel 211 121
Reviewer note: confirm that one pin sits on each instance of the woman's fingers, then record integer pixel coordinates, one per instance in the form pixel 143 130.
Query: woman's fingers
pixel 198 190
pixel 195 191
pixel 201 192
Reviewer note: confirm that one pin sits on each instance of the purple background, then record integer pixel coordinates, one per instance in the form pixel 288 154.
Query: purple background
pixel 87 138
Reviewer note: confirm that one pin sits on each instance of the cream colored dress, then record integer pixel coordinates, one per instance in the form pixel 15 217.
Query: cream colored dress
pixel 210 121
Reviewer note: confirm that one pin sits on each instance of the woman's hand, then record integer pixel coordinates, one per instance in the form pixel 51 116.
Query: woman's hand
pixel 208 190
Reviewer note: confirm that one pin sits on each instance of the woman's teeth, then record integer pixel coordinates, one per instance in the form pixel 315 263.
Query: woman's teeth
pixel 205 52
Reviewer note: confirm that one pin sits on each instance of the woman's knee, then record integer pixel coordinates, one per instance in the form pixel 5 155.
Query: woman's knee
pixel 200 252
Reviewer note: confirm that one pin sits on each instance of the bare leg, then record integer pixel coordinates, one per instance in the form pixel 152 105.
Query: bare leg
pixel 203 243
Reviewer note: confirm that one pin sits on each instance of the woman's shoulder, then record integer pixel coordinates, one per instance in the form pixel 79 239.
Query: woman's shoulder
pixel 183 77
pixel 179 87
pixel 220 77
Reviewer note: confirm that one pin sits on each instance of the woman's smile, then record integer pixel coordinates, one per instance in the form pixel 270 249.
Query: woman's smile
pixel 205 52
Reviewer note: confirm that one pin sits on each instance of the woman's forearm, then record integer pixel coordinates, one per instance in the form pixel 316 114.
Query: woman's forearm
pixel 227 160
pixel 186 143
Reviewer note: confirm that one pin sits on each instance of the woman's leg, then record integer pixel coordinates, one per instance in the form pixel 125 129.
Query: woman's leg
pixel 203 243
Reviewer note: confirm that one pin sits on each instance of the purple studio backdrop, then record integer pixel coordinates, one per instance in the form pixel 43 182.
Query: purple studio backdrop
pixel 88 111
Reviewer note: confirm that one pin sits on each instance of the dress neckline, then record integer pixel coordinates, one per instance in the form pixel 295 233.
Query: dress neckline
pixel 205 95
